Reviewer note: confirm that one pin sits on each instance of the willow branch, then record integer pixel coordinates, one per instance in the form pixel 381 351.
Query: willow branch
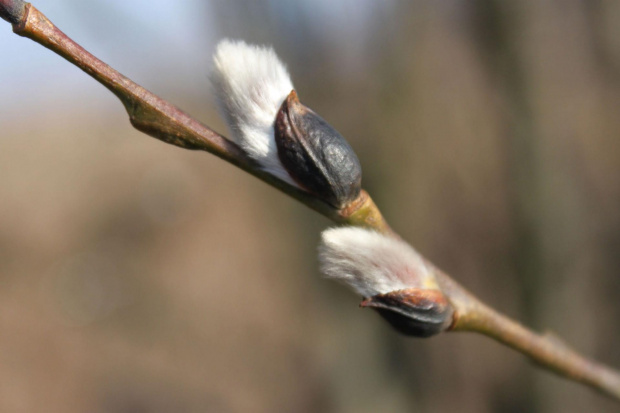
pixel 162 120
pixel 546 350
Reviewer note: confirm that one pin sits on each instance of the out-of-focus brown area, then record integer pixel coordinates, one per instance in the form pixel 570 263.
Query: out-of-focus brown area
pixel 139 277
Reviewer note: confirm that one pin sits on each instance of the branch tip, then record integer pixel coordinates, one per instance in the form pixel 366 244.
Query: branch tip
pixel 13 11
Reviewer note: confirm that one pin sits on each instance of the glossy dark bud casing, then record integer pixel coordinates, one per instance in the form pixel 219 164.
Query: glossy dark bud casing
pixel 315 155
pixel 413 311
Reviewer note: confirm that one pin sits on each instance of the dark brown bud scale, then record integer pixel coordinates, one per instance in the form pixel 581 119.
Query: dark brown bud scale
pixel 315 155
pixel 412 311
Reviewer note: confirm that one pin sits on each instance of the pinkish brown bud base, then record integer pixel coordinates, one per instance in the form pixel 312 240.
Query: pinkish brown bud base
pixel 412 311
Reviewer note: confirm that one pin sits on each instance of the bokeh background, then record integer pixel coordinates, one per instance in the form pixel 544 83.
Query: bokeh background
pixel 140 277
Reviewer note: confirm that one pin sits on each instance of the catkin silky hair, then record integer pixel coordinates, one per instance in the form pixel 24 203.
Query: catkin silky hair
pixel 286 138
pixel 391 276
pixel 372 263
pixel 250 84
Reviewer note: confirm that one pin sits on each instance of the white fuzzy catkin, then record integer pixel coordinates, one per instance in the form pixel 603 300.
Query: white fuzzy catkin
pixel 250 84
pixel 372 263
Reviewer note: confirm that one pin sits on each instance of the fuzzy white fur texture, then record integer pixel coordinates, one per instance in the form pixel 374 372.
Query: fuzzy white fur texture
pixel 372 263
pixel 250 84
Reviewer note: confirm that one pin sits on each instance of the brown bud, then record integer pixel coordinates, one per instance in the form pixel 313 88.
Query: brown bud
pixel 412 311
pixel 315 155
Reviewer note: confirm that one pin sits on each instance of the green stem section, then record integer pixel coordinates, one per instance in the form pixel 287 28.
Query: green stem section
pixel 546 350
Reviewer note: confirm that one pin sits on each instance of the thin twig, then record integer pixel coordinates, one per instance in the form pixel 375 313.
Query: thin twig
pixel 158 118
pixel 546 350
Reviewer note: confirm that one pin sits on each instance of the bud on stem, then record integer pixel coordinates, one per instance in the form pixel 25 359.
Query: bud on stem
pixel 391 275
pixel 412 311
pixel 316 156
pixel 286 139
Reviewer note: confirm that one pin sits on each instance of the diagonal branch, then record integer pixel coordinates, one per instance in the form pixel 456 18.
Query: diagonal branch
pixel 158 118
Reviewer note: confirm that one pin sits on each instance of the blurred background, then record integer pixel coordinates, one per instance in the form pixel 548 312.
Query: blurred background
pixel 140 277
